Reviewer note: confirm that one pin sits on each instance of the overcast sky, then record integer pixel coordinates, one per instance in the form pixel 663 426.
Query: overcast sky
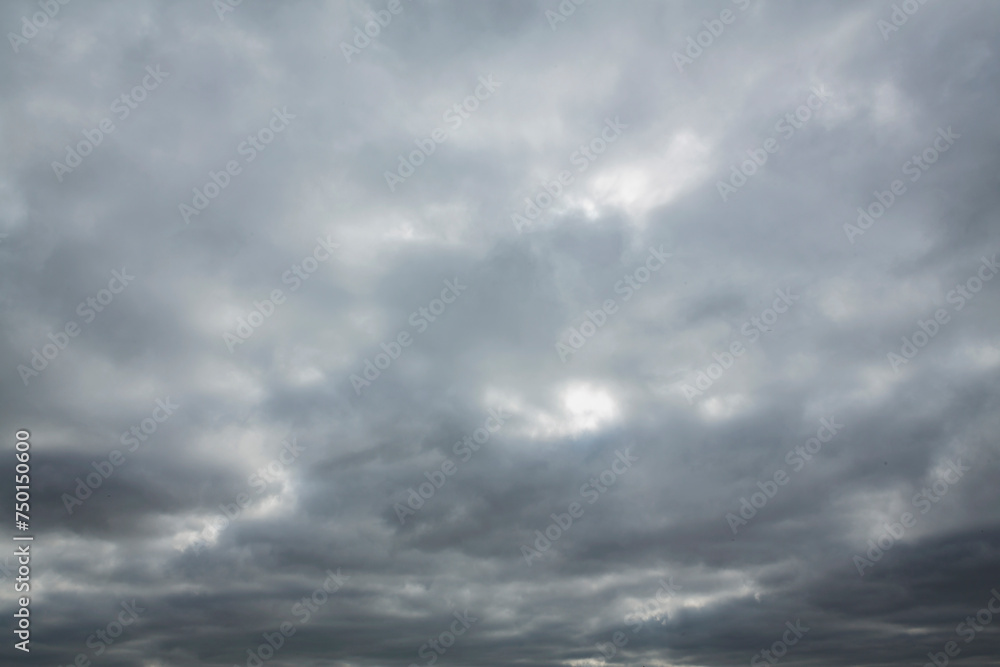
pixel 499 328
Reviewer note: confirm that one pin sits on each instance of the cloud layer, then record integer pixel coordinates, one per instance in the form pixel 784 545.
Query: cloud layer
pixel 544 333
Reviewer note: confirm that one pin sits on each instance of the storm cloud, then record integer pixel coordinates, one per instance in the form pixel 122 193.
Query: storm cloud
pixel 509 332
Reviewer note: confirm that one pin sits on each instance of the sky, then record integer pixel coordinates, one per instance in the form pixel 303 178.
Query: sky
pixel 579 333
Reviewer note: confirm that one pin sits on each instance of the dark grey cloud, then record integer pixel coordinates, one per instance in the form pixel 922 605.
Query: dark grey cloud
pixel 568 445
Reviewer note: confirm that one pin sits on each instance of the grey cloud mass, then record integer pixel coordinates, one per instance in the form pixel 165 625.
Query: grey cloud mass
pixel 515 332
